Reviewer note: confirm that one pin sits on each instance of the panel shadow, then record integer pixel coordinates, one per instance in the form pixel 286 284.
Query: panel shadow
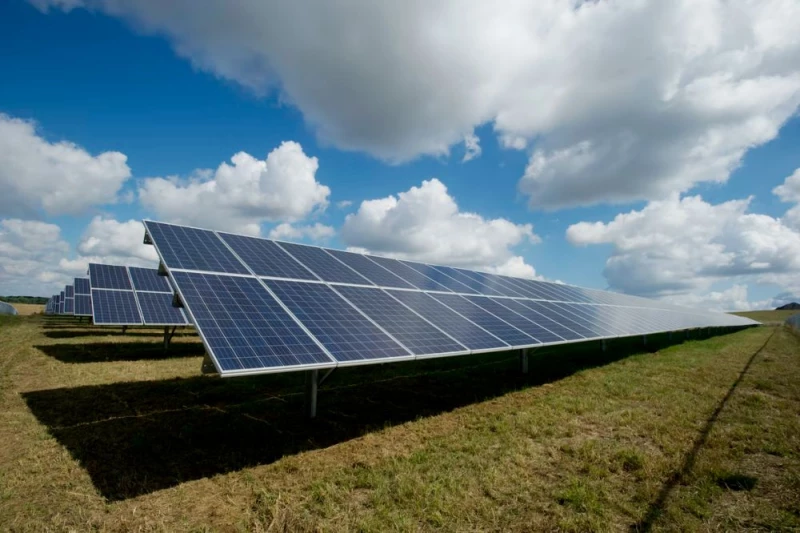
pixel 136 438
pixel 98 352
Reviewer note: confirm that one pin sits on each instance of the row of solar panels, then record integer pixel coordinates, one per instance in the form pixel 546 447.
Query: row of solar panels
pixel 120 296
pixel 265 306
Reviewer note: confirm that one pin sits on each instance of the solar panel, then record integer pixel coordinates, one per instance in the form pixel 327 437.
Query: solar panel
pixel 148 279
pixel 547 322
pixel 157 309
pixel 408 274
pixel 69 306
pixel 69 291
pixel 114 308
pixel 243 327
pixel 83 305
pixel 346 333
pixel 109 277
pixel 413 332
pixel 373 272
pixel 497 327
pixel 440 277
pixel 82 286
pixel 467 333
pixel 470 281
pixel 265 258
pixel 193 249
pixel 532 328
pixel 572 322
pixel 324 265
pixel 492 281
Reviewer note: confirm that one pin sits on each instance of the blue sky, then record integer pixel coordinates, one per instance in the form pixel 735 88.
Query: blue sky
pixel 152 86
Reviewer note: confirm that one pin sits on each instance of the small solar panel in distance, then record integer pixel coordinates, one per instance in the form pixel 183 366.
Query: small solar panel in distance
pixel 114 308
pixel 83 305
pixel 157 309
pixel 82 286
pixel 193 249
pixel 109 277
pixel 467 333
pixel 69 291
pixel 324 265
pixel 69 306
pixel 148 279
pixel 266 258
pixel 370 270
pixel 414 332
pixel 347 334
pixel 244 328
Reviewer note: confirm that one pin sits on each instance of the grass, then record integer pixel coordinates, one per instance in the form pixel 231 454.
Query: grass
pixel 28 309
pixel 772 316
pixel 107 432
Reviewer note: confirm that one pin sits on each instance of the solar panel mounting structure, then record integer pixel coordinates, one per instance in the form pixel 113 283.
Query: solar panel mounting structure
pixel 264 306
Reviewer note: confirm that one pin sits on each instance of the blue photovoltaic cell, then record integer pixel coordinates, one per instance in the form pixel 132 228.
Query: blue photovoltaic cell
pixel 534 329
pixel 157 309
pixel 470 281
pixel 69 306
pixel 439 277
pixel 494 282
pixel 193 249
pixel 83 305
pixel 467 333
pixel 370 270
pixel 114 308
pixel 408 274
pixel 323 264
pixel 82 286
pixel 486 320
pixel 415 333
pixel 545 321
pixel 572 322
pixel 148 279
pixel 243 326
pixel 346 334
pixel 593 319
pixel 109 277
pixel 266 258
pixel 69 290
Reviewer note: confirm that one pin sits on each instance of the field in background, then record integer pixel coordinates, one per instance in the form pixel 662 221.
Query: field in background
pixel 767 316
pixel 28 309
pixel 108 432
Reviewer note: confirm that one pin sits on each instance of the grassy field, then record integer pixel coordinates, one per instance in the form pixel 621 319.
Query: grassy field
pixel 768 316
pixel 107 432
pixel 28 309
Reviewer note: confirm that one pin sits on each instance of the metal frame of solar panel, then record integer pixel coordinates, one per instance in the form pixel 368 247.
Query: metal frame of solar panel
pixel 132 296
pixel 344 302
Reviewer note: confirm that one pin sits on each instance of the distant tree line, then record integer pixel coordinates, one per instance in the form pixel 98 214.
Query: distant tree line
pixel 24 299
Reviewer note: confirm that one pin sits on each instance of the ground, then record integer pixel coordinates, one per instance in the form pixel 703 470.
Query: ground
pixel 28 309
pixel 107 432
pixel 772 316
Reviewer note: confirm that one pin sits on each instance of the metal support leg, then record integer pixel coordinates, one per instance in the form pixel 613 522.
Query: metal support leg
pixel 644 340
pixel 312 381
pixel 523 361
pixel 124 329
pixel 604 345
pixel 168 336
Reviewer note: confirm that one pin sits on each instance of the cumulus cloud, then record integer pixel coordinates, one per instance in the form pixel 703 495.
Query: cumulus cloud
pixel 240 196
pixel 55 177
pixel 29 255
pixel 424 223
pixel 107 240
pixel 344 204
pixel 472 147
pixel 735 298
pixel 680 247
pixel 289 232
pixel 621 100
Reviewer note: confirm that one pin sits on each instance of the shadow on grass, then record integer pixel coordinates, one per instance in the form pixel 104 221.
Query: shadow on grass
pixel 97 352
pixel 136 438
pixel 734 483
pixel 71 333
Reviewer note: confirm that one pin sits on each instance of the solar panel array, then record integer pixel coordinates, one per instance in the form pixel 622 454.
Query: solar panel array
pixel 267 306
pixel 132 296
pixel 83 297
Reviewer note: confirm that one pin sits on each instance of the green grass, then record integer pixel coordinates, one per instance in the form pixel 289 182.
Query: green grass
pixel 767 316
pixel 107 432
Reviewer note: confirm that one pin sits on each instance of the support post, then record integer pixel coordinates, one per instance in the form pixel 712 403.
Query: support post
pixel 124 329
pixel 644 340
pixel 604 345
pixel 312 381
pixel 523 360
pixel 168 336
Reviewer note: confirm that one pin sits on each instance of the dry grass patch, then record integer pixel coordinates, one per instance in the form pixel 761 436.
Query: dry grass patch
pixel 107 432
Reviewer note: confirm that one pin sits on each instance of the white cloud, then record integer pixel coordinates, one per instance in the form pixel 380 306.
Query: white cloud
pixel 621 100
pixel 344 204
pixel 735 298
pixel 680 247
pixel 57 178
pixel 29 256
pixel 425 224
pixel 789 190
pixel 289 232
pixel 472 147
pixel 106 240
pixel 239 196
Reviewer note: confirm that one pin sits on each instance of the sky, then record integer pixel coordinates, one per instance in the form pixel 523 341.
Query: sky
pixel 645 147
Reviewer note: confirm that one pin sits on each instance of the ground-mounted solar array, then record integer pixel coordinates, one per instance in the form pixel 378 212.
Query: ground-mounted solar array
pixel 132 296
pixel 267 306
pixel 83 297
